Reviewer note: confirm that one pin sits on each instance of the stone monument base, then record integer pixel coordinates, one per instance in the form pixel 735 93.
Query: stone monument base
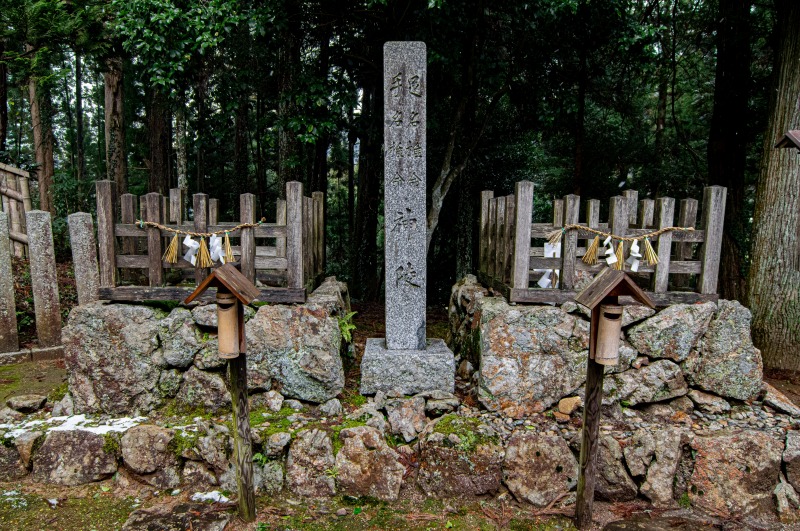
pixel 407 371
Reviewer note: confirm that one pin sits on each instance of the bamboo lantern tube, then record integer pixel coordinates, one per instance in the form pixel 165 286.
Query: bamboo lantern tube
pixel 610 325
pixel 227 325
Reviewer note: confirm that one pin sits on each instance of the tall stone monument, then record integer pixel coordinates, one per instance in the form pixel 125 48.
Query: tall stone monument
pixel 406 360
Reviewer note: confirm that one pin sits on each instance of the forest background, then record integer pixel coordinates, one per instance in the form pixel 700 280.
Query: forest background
pixel 580 96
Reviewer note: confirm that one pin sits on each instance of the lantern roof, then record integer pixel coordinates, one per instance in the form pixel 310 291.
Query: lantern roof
pixel 612 283
pixel 227 277
pixel 790 140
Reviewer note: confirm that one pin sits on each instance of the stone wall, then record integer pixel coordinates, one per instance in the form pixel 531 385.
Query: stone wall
pixel 126 359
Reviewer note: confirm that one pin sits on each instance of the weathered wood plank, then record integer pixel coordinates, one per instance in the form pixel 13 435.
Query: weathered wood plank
pixel 200 204
pixel 508 239
pixel 491 248
pixel 247 209
pixel 572 205
pixel 559 296
pixel 43 278
pixel 9 340
pixel 713 221
pixel 213 211
pixel 154 248
pixel 294 234
pixel 619 218
pixel 308 258
pixel 684 267
pixel 177 201
pixel 633 202
pixel 319 230
pixel 84 256
pixel 483 247
pixel 14 170
pixel 647 209
pixel 106 216
pixel 687 217
pixel 16 213
pixel 592 218
pixel 128 204
pixel 665 213
pixel 143 293
pixel 280 219
pixel 242 443
pixel 522 232
pixel 500 249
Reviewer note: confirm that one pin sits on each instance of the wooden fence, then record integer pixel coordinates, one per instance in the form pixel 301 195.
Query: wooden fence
pixel 16 197
pixel 292 264
pixel 511 264
pixel 45 292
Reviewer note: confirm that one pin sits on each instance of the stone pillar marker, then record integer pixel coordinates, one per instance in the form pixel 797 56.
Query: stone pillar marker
pixel 43 278
pixel 9 341
pixel 405 361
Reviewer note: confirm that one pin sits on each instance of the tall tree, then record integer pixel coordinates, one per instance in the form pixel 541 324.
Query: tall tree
pixel 116 155
pixel 727 151
pixel 773 294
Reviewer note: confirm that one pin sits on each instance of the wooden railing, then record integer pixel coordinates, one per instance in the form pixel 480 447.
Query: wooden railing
pixel 16 197
pixel 511 264
pixel 290 266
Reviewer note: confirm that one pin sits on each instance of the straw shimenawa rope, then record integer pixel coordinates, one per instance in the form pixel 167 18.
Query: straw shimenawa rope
pixel 143 224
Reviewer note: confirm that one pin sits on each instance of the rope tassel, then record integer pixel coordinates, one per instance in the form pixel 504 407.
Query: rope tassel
pixel 620 263
pixel 203 256
pixel 649 254
pixel 226 246
pixel 553 237
pixel 171 254
pixel 590 257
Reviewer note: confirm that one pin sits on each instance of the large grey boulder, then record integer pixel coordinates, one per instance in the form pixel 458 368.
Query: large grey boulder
pixel 73 457
pixel 673 332
pixel 539 468
pixel 366 466
pixel 791 458
pixel 109 352
pixel 728 364
pixel 11 465
pixel 299 346
pixel 613 482
pixel 146 451
pixel 310 465
pixel 204 389
pixel 406 416
pixel 531 356
pixel 459 456
pixel 26 403
pixel 639 452
pixel 194 516
pixel 179 337
pixel 660 380
pixel 657 486
pixel 735 473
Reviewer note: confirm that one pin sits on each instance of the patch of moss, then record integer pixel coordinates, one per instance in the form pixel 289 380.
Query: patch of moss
pixel 684 501
pixel 111 444
pixel 173 409
pixel 30 511
pixel 182 441
pixel 278 421
pixel 337 430
pixel 466 428
pixel 58 393
pixel 8 442
pixel 353 398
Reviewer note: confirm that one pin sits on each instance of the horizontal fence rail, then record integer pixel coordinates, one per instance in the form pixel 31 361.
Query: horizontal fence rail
pixel 514 259
pixel 129 253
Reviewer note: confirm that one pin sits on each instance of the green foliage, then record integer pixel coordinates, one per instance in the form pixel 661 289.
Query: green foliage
pixel 111 443
pixel 467 429
pixel 260 459
pixel 346 327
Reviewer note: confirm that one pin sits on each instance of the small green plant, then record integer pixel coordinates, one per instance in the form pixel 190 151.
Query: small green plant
pixel 260 459
pixel 346 326
pixel 684 501
pixel 262 526
pixel 332 472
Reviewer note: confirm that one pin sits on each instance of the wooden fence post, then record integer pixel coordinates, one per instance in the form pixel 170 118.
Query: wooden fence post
pixel 200 204
pixel 618 217
pixel 522 233
pixel 687 217
pixel 16 212
pixel 84 256
pixel 592 217
pixel 558 222
pixel 569 250
pixel 491 246
pixel 646 210
pixel 280 219
pixel 308 258
pixel 247 209
pixel 713 220
pixel 500 248
pixel 319 232
pixel 9 341
pixel 176 204
pixel 106 216
pixel 213 210
pixel 508 239
pixel 483 249
pixel 44 281
pixel 294 234
pixel 665 213
pixel 633 202
pixel 154 249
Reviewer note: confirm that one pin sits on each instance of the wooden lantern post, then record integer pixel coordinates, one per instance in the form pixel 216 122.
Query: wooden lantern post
pixel 602 298
pixel 233 291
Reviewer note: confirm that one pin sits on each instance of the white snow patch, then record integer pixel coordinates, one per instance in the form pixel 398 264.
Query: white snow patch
pixel 213 496
pixel 74 422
